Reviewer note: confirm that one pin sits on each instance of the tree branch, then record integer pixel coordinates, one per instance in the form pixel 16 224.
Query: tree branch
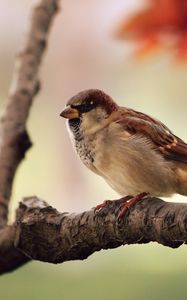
pixel 14 138
pixel 25 85
pixel 43 233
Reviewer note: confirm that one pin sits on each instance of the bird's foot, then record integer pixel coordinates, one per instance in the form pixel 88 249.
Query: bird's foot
pixel 128 202
pixel 109 202
pixel 102 205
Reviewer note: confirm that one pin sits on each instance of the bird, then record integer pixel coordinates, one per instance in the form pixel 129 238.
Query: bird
pixel 136 154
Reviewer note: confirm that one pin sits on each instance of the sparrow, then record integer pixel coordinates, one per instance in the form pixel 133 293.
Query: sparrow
pixel 135 153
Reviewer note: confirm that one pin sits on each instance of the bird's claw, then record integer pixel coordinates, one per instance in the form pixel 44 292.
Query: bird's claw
pixel 129 202
pixel 102 205
pixel 126 203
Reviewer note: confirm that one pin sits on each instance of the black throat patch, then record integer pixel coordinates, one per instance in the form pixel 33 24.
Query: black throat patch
pixel 74 125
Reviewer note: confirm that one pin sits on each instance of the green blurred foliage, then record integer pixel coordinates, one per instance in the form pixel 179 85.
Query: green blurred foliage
pixel 133 272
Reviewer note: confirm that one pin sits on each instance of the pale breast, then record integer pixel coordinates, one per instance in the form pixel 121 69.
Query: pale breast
pixel 129 165
pixel 133 166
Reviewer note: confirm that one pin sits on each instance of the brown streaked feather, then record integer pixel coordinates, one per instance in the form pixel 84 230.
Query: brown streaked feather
pixel 171 146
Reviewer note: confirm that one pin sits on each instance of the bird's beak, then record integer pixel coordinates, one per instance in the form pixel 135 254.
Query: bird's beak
pixel 70 113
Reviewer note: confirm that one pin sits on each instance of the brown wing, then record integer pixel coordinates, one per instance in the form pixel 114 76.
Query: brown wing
pixel 165 141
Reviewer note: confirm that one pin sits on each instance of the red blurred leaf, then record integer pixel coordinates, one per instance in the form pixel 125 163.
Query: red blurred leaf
pixel 162 24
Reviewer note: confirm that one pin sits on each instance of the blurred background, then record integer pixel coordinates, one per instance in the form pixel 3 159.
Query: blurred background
pixel 97 44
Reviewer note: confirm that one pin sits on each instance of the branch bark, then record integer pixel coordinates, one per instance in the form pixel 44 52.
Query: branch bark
pixel 25 85
pixel 14 137
pixel 43 233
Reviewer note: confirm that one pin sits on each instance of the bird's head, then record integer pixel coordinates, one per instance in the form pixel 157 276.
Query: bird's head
pixel 89 110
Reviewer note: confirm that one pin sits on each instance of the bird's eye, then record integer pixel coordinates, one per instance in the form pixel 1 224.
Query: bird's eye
pixel 84 107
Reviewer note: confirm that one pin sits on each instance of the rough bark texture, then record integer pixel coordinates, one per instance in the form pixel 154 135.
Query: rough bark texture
pixel 42 233
pixel 14 140
pixel 47 235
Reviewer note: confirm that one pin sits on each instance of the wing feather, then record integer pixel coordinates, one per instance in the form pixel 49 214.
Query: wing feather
pixel 171 146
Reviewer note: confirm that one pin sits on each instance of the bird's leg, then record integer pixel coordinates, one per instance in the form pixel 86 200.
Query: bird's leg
pixel 103 205
pixel 108 202
pixel 128 203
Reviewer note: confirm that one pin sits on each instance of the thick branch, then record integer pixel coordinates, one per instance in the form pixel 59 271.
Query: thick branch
pixel 10 257
pixel 14 138
pixel 43 233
